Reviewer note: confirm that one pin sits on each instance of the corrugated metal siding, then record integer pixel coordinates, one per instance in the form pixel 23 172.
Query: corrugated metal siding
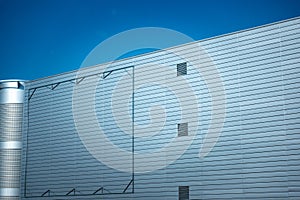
pixel 256 157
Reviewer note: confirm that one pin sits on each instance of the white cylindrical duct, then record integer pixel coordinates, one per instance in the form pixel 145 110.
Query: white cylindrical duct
pixel 11 115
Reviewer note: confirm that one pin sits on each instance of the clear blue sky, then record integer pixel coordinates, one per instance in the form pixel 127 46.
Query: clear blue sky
pixel 45 37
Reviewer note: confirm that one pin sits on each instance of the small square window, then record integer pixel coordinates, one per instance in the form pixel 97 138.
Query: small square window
pixel 184 192
pixel 182 69
pixel 182 129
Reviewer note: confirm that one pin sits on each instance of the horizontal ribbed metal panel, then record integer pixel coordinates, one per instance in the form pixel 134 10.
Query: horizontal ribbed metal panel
pixel 256 156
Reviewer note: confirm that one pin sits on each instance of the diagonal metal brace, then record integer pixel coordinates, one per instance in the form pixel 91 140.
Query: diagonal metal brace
pixel 30 95
pixel 99 189
pixel 47 192
pixel 106 74
pixel 131 181
pixel 78 80
pixel 73 190
pixel 54 86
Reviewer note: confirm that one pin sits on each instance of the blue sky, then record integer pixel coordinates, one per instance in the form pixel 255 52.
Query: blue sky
pixel 45 37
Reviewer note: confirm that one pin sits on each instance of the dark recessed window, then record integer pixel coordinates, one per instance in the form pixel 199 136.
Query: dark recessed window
pixel 184 192
pixel 182 129
pixel 182 69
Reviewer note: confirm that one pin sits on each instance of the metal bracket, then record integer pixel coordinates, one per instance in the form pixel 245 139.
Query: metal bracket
pixel 30 95
pixel 73 190
pixel 106 74
pixel 99 189
pixel 78 80
pixel 54 86
pixel 131 181
pixel 102 189
pixel 47 192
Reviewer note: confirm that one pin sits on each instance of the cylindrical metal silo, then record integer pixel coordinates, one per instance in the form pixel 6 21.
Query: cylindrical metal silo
pixel 11 114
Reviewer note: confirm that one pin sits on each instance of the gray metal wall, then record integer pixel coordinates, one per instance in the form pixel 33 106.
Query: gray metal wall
pixel 255 157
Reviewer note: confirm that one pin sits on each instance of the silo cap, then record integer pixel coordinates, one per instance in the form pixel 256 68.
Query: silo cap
pixel 13 83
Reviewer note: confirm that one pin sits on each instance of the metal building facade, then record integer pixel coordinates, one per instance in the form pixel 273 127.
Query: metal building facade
pixel 86 132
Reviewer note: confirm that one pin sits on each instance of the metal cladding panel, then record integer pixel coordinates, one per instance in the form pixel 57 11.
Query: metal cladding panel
pixel 56 160
pixel 76 123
